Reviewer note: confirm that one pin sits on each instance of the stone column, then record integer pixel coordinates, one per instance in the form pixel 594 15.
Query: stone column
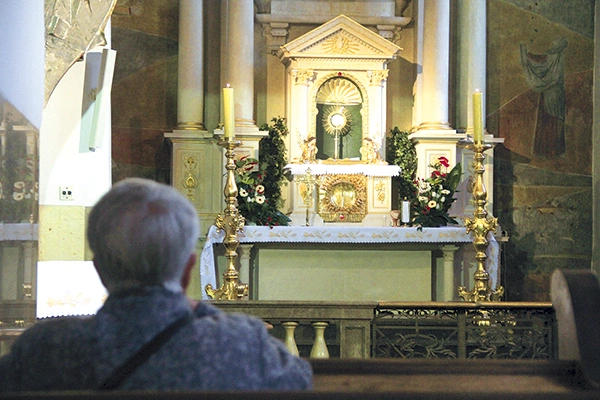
pixel 471 53
pixel 435 62
pixel 472 67
pixel 237 58
pixel 446 289
pixel 196 160
pixel 190 90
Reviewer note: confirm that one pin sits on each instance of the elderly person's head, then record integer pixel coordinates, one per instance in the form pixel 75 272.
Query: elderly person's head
pixel 143 233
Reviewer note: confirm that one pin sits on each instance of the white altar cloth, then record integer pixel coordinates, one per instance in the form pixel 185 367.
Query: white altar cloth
pixel 68 288
pixel 342 234
pixel 349 169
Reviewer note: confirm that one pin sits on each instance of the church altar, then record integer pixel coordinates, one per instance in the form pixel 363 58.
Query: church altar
pixel 349 263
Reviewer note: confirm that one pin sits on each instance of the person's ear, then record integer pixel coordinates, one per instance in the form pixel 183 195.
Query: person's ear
pixel 99 272
pixel 187 273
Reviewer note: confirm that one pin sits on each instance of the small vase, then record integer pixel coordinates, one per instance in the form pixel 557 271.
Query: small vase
pixel 289 341
pixel 319 348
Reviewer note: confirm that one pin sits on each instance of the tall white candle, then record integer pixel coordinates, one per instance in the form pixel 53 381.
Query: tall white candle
pixel 228 112
pixel 477 117
pixel 405 211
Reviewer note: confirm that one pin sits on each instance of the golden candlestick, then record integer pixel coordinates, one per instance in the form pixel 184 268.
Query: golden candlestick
pixel 231 222
pixel 308 180
pixel 481 225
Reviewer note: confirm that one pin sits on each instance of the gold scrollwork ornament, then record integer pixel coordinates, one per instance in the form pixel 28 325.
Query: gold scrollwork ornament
pixel 190 181
pixel 378 77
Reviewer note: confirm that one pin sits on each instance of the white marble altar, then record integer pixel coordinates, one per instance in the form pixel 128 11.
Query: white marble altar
pixel 297 239
pixel 336 90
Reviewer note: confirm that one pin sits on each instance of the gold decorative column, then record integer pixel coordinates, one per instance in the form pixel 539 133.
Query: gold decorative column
pixel 481 225
pixel 232 223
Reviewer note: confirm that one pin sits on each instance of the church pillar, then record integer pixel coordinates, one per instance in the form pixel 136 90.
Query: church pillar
pixel 433 134
pixel 472 67
pixel 190 90
pixel 435 64
pixel 446 289
pixel 471 53
pixel 238 58
pixel 196 160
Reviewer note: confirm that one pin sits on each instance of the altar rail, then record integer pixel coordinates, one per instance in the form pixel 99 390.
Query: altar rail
pixel 492 330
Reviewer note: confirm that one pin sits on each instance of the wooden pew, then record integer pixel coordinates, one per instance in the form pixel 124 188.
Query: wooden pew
pixel 398 379
pixel 576 298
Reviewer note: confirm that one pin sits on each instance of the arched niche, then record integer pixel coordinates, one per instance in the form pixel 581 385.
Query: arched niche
pixel 339 122
pixel 339 55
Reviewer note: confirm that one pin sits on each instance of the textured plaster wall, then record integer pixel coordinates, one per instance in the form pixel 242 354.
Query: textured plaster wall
pixel 62 229
pixel 144 94
pixel 542 202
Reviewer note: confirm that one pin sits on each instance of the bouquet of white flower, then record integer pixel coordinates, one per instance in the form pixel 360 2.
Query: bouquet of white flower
pixel 436 195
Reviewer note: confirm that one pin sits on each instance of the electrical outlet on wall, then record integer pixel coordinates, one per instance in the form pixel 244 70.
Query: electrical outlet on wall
pixel 66 193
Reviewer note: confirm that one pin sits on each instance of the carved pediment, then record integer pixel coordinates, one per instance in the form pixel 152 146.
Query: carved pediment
pixel 340 37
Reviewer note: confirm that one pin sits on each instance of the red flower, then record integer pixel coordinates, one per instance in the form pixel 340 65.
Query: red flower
pixel 249 166
pixel 444 161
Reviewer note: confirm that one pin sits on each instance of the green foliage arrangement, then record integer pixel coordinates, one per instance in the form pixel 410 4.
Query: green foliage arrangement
pixel 402 152
pixel 259 181
pixel 273 159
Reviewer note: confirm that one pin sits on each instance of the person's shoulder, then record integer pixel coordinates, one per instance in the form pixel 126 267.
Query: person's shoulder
pixel 234 320
pixel 47 333
pixel 51 327
pixel 58 322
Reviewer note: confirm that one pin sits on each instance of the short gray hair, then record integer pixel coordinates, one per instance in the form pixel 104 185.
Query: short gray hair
pixel 142 233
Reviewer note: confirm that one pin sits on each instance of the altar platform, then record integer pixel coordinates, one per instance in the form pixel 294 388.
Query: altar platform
pixel 345 263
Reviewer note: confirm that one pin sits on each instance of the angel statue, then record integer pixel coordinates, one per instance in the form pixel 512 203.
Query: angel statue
pixel 369 152
pixel 309 150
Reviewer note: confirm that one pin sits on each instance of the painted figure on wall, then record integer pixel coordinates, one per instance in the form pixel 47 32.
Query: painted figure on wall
pixel 545 74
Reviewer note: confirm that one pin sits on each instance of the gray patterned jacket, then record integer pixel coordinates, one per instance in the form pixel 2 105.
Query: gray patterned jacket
pixel 217 351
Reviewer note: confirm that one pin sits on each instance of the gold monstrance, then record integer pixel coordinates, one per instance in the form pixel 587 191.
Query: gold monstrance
pixel 481 225
pixel 231 222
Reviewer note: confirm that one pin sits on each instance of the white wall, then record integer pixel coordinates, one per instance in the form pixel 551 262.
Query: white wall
pixel 62 161
pixel 65 159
